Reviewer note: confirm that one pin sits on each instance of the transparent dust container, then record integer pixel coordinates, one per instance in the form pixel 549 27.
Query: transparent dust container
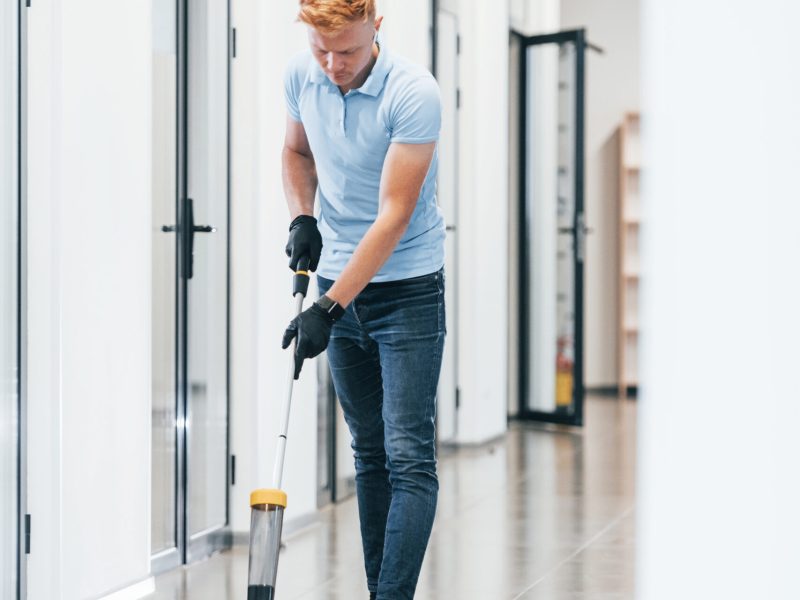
pixel 266 522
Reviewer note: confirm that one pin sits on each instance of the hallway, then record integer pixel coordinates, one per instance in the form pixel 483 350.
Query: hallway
pixel 543 513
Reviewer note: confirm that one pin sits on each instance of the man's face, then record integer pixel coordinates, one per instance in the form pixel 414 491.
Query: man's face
pixel 345 54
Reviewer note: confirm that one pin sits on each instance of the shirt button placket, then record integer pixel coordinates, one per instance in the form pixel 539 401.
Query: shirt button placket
pixel 343 117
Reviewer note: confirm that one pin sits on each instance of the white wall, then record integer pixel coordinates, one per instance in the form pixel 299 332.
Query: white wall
pixel 267 36
pixel 483 220
pixel 406 28
pixel 612 89
pixel 89 297
pixel 533 17
pixel 718 480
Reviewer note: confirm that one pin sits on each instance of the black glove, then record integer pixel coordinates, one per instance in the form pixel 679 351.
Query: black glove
pixel 304 240
pixel 312 327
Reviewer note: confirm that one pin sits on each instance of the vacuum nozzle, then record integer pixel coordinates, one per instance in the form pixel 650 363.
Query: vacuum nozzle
pixel 266 523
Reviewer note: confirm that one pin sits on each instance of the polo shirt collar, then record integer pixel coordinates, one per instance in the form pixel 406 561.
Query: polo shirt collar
pixel 377 77
pixel 375 81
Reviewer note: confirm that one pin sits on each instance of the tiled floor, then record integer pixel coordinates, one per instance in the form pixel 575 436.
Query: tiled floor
pixel 545 513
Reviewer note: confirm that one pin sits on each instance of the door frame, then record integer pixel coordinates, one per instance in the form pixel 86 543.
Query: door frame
pixel 452 228
pixel 187 550
pixel 578 37
pixel 23 520
pixel 201 545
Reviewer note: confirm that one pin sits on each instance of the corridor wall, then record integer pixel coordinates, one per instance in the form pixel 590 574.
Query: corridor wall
pixel 89 278
pixel 717 462
pixel 261 302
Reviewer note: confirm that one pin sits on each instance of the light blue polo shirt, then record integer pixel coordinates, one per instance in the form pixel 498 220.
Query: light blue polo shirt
pixel 349 136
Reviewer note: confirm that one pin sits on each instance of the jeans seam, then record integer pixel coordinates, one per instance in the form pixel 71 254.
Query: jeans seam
pixel 439 344
pixel 355 314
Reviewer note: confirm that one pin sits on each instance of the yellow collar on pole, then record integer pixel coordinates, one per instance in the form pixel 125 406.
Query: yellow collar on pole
pixel 271 497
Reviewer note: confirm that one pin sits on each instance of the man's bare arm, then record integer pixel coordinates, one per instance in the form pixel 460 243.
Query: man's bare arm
pixel 299 170
pixel 404 171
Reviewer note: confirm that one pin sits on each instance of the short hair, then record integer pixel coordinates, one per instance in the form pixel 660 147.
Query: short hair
pixel 331 16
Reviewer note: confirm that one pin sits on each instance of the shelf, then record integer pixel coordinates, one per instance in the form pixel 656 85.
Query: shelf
pixel 629 222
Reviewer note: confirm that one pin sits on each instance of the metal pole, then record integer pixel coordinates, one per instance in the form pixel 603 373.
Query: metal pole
pixel 277 474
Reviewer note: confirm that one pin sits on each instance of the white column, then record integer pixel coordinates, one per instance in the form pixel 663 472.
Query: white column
pixel 718 471
pixel 483 220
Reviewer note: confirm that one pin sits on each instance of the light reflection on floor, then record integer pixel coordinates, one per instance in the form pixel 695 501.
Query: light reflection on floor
pixel 543 513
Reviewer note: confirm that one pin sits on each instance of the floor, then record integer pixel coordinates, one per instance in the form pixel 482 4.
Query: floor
pixel 544 513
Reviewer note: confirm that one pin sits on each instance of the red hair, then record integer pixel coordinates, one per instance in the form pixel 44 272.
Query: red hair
pixel 331 16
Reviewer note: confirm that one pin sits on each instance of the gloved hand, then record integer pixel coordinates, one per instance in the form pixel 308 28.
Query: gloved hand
pixel 312 327
pixel 304 240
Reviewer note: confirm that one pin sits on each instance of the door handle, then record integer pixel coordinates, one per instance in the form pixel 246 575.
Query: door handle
pixel 571 230
pixel 580 232
pixel 188 241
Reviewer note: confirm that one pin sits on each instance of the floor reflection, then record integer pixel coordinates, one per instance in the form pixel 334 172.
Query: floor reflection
pixel 545 513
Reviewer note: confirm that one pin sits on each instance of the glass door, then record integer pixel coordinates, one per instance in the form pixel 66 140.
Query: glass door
pixel 190 282
pixel 205 277
pixel 11 534
pixel 552 226
pixel 164 520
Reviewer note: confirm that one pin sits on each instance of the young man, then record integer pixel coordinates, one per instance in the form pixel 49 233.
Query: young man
pixel 361 137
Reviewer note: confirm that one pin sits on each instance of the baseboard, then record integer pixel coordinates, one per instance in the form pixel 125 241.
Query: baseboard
pixel 133 592
pixel 611 390
pixel 603 390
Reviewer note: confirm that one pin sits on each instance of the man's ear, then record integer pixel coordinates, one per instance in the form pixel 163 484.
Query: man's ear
pixel 378 21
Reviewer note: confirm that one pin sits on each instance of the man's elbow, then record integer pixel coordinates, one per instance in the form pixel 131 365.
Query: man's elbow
pixel 290 153
pixel 399 213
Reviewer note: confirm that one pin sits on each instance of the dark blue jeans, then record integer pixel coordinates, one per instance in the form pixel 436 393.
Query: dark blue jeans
pixel 385 355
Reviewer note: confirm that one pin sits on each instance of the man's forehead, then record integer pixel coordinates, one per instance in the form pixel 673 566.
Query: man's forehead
pixel 346 39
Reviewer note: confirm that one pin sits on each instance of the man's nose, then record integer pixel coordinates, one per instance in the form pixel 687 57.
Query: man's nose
pixel 333 62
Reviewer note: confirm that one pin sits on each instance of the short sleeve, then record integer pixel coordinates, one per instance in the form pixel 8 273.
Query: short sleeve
pixel 292 84
pixel 416 116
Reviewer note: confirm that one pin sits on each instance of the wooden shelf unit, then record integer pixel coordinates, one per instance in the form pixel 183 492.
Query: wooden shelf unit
pixel 629 275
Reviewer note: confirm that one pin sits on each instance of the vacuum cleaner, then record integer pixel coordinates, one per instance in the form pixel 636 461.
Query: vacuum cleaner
pixel 267 505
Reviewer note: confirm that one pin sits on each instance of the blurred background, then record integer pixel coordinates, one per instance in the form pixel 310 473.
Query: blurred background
pixel 618 408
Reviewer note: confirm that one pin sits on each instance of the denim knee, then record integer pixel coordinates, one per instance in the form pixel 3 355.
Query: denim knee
pixel 412 469
pixel 369 458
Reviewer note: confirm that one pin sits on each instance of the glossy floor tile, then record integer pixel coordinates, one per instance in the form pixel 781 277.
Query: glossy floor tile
pixel 545 513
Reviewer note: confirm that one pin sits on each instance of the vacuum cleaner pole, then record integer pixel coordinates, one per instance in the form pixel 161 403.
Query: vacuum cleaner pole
pixel 277 473
pixel 267 505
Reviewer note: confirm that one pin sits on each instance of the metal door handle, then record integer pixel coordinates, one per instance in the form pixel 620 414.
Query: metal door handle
pixel 197 228
pixel 188 241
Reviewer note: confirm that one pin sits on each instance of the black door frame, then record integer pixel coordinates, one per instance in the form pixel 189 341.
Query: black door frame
pixel 186 551
pixel 578 38
pixel 205 544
